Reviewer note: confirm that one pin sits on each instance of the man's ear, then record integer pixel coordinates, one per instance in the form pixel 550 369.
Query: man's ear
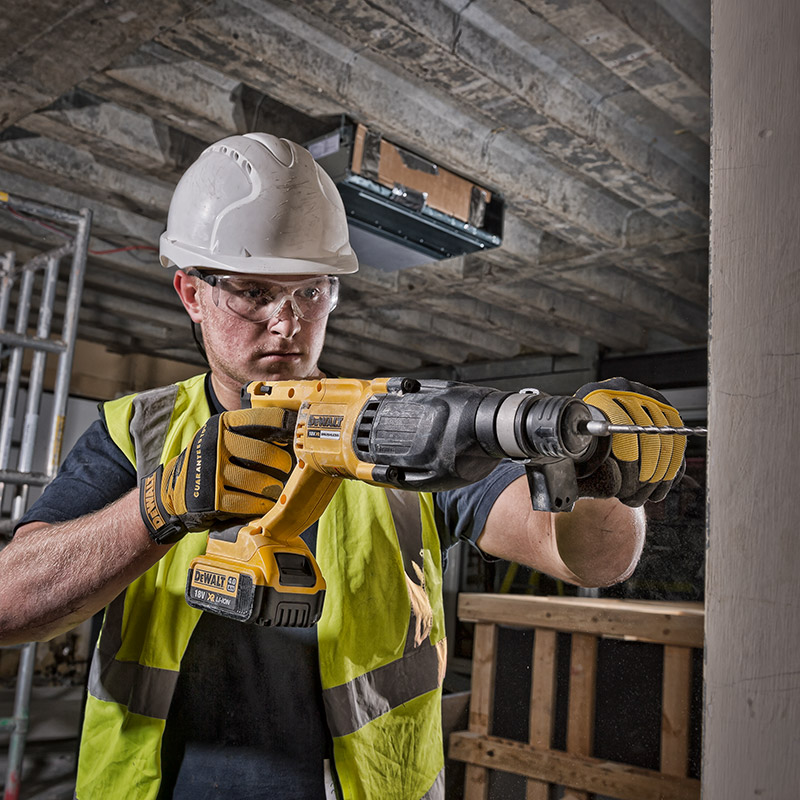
pixel 188 290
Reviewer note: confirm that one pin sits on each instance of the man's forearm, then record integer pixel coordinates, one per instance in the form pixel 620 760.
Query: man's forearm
pixel 596 544
pixel 600 541
pixel 56 576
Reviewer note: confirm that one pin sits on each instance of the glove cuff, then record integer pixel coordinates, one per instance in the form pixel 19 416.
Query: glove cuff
pixel 162 526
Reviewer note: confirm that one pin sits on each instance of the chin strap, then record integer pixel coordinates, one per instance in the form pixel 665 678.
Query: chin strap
pixel 198 340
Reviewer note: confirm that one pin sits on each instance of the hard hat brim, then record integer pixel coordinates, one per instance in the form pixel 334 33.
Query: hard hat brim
pixel 182 256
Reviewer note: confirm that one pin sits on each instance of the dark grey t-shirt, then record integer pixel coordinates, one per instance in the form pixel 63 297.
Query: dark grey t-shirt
pixel 247 719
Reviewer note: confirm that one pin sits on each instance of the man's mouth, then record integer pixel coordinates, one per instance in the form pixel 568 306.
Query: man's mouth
pixel 280 354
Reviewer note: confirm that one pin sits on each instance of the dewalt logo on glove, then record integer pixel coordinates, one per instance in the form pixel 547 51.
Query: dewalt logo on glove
pixel 236 466
pixel 150 502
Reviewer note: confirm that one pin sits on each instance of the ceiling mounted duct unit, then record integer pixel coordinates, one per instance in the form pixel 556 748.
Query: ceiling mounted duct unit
pixel 404 210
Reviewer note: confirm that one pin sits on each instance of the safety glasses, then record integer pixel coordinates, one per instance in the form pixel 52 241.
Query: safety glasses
pixel 258 299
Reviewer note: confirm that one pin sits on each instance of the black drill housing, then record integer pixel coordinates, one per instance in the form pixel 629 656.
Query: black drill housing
pixel 435 435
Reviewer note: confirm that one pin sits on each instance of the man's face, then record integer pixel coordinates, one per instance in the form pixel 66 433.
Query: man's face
pixel 283 347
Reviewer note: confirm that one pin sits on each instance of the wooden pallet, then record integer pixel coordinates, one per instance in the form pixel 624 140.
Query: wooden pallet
pixel 677 626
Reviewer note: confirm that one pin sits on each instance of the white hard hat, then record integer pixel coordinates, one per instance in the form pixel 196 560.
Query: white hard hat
pixel 259 204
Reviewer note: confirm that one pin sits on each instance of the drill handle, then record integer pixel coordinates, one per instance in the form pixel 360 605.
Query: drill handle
pixel 304 498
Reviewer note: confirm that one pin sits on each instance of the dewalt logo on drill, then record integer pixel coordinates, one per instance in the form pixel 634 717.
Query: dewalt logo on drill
pixel 325 426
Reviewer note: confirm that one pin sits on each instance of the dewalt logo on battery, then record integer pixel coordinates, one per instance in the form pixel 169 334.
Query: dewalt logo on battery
pixel 221 581
pixel 325 421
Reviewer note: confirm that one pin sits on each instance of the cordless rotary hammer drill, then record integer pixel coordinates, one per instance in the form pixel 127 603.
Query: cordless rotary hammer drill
pixel 420 435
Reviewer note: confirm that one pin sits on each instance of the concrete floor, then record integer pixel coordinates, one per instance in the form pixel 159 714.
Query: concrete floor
pixel 52 742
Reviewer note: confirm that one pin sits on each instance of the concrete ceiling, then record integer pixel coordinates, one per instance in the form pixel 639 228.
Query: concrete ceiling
pixel 590 117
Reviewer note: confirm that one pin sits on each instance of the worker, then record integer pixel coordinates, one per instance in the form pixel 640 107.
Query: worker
pixel 184 704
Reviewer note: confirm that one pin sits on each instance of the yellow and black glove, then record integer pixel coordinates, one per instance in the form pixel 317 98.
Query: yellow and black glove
pixel 235 466
pixel 648 464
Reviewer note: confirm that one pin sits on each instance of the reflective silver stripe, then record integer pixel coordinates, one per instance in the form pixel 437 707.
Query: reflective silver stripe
pixel 408 523
pixel 143 690
pixel 407 519
pixel 352 705
pixel 436 792
pixel 152 413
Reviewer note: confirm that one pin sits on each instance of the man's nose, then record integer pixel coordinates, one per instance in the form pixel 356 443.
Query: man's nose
pixel 285 322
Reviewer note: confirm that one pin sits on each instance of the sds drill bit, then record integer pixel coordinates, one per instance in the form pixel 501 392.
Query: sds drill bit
pixel 598 428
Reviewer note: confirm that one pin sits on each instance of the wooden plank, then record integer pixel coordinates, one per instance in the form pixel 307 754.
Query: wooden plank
pixel 675 710
pixel 582 684
pixel 484 657
pixel 665 623
pixel 578 772
pixel 543 700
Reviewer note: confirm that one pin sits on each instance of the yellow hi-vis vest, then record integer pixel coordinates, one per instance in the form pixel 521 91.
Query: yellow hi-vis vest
pixel 382 648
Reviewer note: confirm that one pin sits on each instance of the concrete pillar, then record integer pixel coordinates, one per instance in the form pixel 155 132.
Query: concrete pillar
pixel 752 680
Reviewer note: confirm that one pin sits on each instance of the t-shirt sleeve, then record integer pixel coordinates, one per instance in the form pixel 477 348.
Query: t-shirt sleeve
pixel 94 473
pixel 462 512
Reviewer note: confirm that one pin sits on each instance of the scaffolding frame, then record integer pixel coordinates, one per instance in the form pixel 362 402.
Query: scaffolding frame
pixel 23 359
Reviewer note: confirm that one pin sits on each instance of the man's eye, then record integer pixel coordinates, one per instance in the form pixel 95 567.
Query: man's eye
pixel 312 293
pixel 256 294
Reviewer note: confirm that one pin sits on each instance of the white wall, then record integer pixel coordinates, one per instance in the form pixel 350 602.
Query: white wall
pixel 752 679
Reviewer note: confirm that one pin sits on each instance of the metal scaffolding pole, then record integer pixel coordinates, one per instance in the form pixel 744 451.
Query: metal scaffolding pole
pixel 25 358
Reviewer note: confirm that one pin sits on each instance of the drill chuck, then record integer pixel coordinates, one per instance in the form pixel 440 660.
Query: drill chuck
pixel 533 425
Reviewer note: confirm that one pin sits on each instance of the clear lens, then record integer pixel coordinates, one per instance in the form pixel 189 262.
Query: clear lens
pixel 259 300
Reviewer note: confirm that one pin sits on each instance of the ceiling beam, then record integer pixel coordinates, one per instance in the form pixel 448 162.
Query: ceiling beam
pixel 125 139
pixel 396 335
pixel 370 351
pixel 337 364
pixel 558 309
pixel 119 225
pixel 291 48
pixel 476 340
pixel 650 306
pixel 57 48
pixel 541 308
pixel 504 60
pixel 655 73
pixel 680 30
pixel 56 164
pixel 503 320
